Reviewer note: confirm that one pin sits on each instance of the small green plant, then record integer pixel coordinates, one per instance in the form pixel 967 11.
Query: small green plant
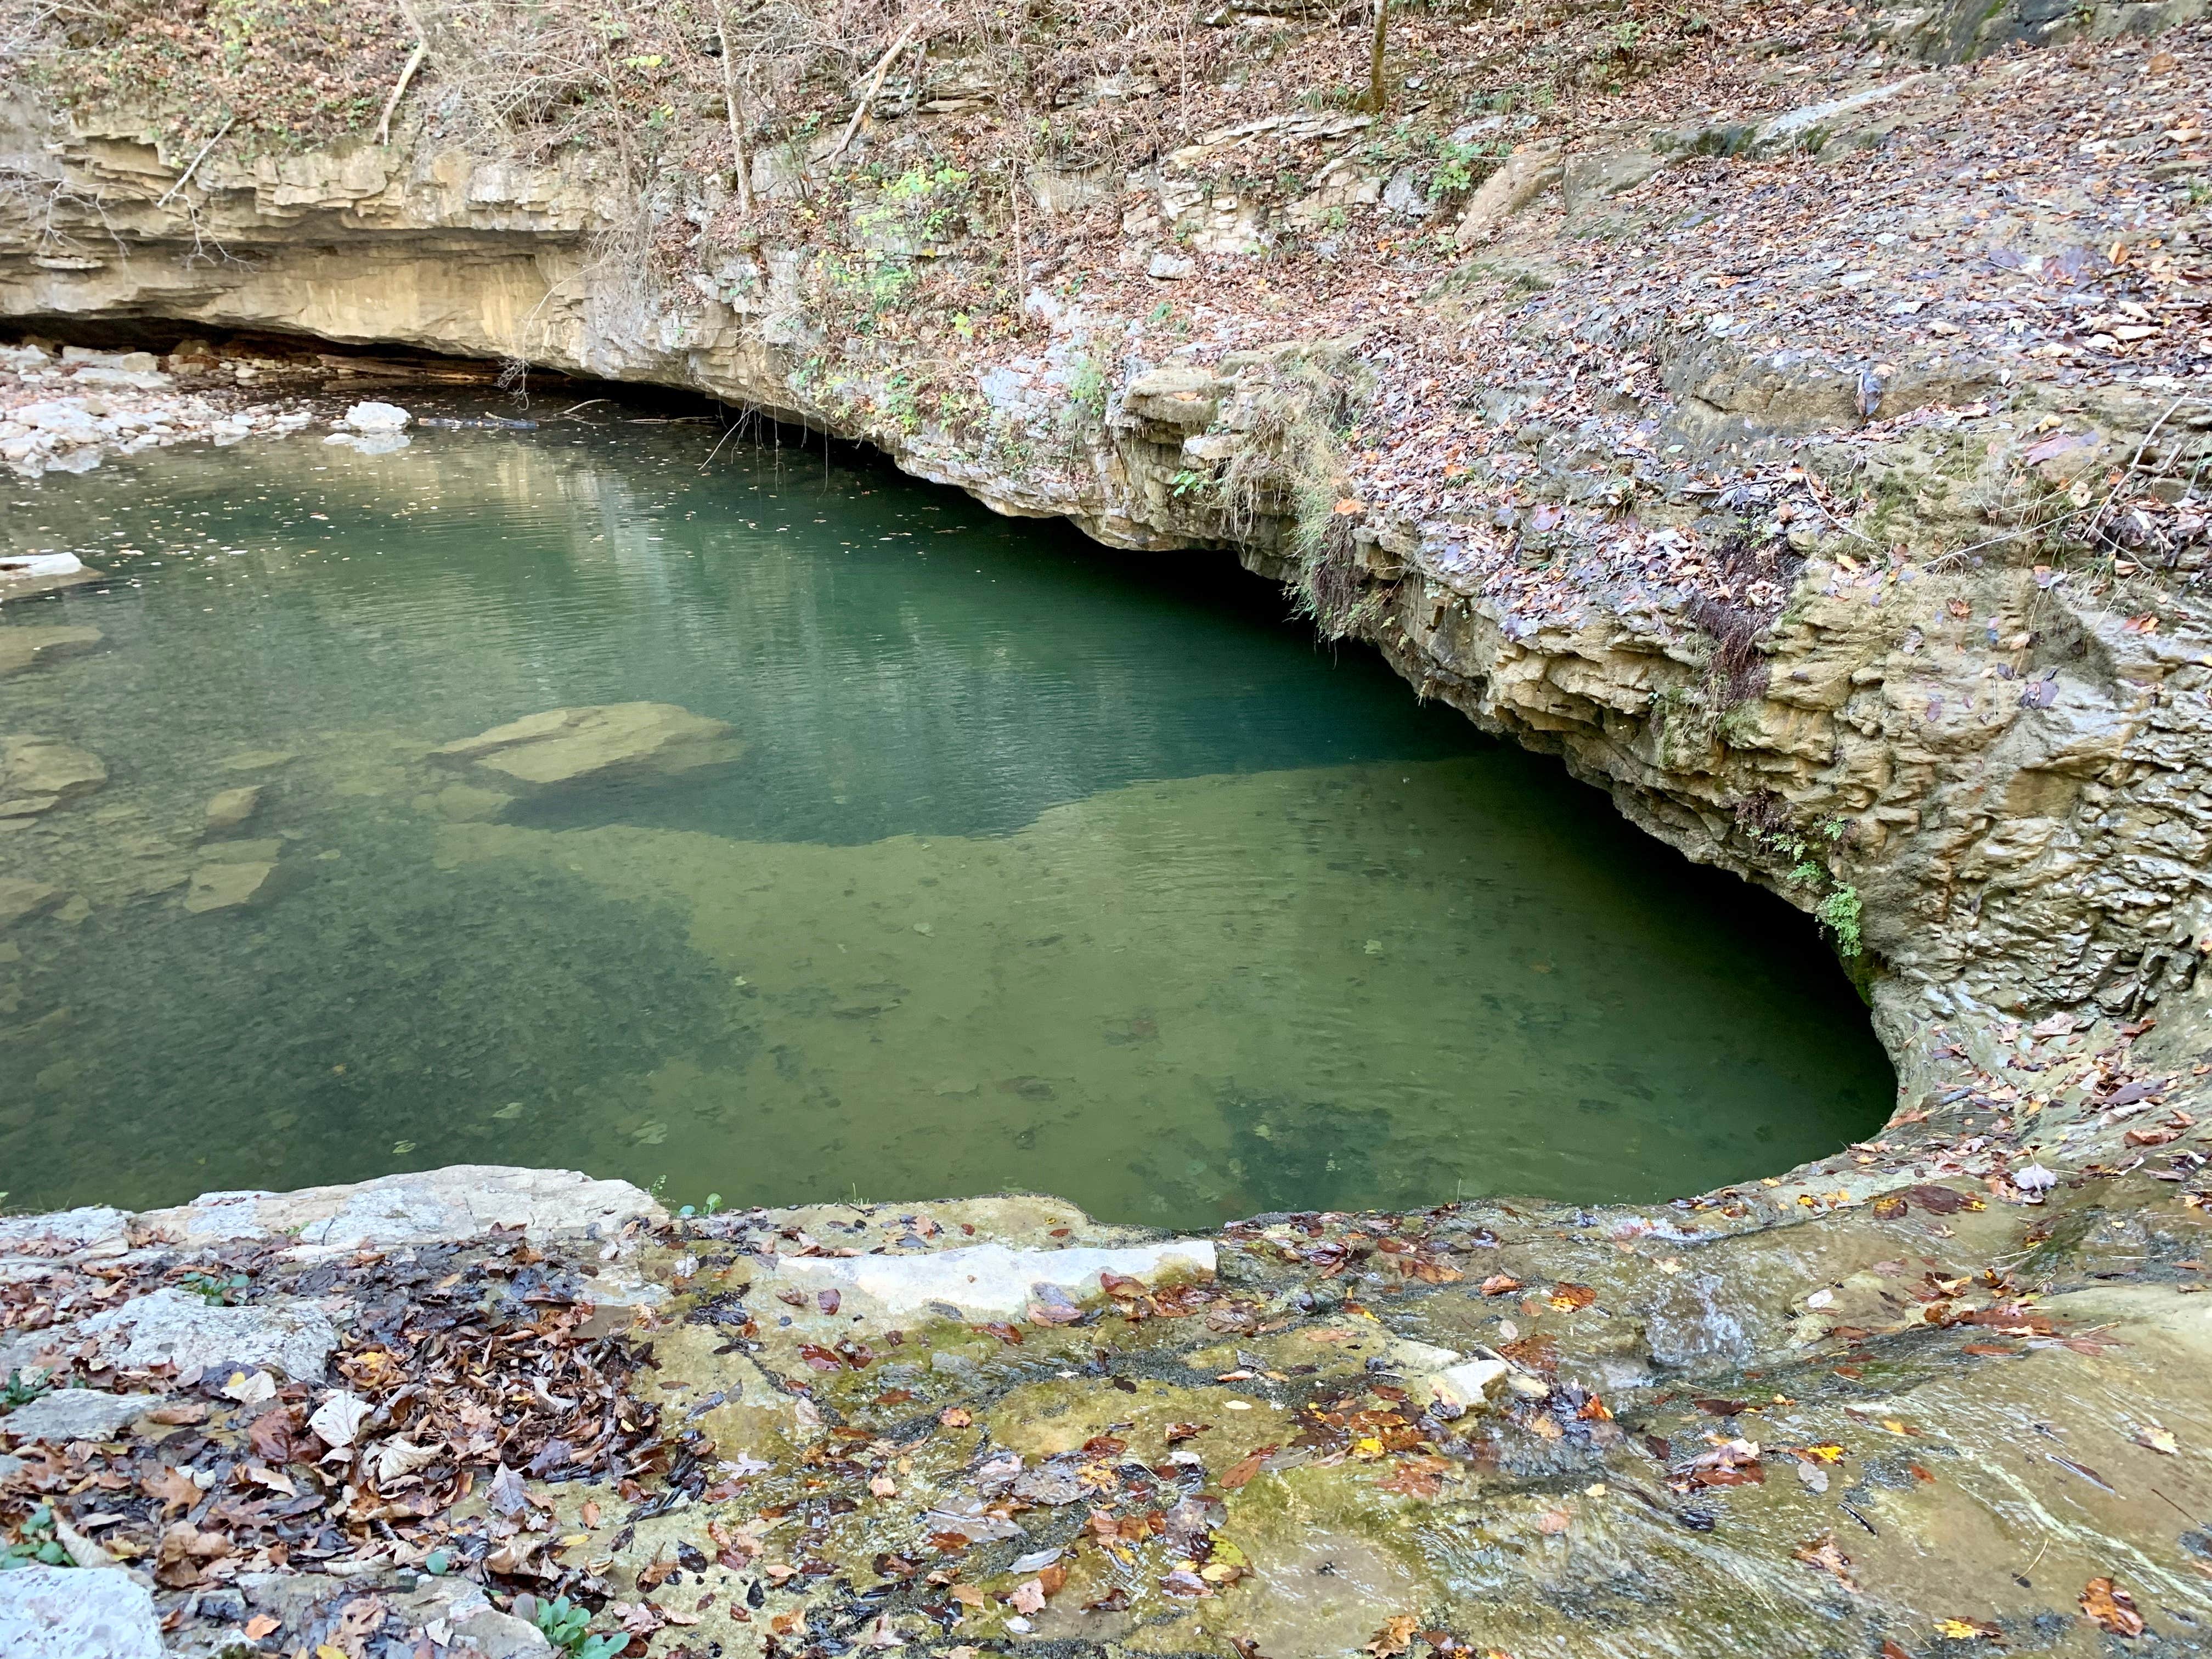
pixel 567 1627
pixel 1455 167
pixel 1839 914
pixel 1187 483
pixel 1087 385
pixel 39 1547
pixel 214 1289
pixel 21 1390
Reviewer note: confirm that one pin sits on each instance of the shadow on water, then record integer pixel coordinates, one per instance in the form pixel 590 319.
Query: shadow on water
pixel 1044 866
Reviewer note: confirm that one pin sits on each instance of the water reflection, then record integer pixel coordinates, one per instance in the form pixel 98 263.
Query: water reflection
pixel 1041 867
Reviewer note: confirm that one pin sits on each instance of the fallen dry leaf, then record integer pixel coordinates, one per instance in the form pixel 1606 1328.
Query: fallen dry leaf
pixel 1240 1473
pixel 2111 1608
pixel 1394 1638
pixel 1822 1553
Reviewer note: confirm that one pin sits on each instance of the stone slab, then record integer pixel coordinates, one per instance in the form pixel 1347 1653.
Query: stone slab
pixel 75 1414
pixel 990 1281
pixel 461 1200
pixel 76 1612
pixel 173 1326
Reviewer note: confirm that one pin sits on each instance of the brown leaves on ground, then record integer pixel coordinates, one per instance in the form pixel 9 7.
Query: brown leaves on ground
pixel 184 1553
pixel 171 1487
pixel 1394 1638
pixel 2111 1608
pixel 1416 1477
pixel 1567 1297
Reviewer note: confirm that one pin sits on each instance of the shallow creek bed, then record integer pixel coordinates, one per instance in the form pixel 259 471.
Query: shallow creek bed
pixel 1883 1406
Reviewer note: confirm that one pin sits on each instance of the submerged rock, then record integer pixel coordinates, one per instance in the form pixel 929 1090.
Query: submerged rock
pixel 20 898
pixel 22 647
pixel 70 1613
pixel 225 886
pixel 599 743
pixel 39 773
pixel 233 808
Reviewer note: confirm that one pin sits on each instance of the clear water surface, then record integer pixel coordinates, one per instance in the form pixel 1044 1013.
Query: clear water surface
pixel 1044 867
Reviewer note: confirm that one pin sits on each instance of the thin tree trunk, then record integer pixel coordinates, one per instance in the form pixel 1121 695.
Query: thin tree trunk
pixel 1376 96
pixel 737 123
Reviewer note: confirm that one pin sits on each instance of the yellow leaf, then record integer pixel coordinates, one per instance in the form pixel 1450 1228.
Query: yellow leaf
pixel 326 1651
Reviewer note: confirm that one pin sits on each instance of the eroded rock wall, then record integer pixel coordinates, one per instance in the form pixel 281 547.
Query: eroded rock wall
pixel 1872 686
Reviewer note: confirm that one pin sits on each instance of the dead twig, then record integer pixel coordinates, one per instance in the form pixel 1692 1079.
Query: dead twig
pixel 185 178
pixel 875 85
pixel 400 90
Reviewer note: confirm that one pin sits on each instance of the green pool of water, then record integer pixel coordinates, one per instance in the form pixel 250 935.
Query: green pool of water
pixel 1043 868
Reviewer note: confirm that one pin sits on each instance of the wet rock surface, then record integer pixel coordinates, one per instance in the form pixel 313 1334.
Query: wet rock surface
pixel 1890 1403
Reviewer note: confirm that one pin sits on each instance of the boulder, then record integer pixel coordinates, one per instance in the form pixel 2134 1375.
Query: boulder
pixel 1518 181
pixel 38 773
pixel 22 646
pixel 68 1414
pixel 230 808
pixel 1171 268
pixel 71 423
pixel 76 1612
pixel 424 1207
pixel 621 741
pixel 1179 395
pixel 175 1327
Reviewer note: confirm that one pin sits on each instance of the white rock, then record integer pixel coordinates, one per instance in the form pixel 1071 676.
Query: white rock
pixel 69 421
pixel 75 1613
pixel 173 1325
pixel 459 1201
pixel 64 1230
pixel 990 1281
pixel 38 565
pixel 1471 1383
pixel 1170 268
pixel 68 1414
pixel 376 417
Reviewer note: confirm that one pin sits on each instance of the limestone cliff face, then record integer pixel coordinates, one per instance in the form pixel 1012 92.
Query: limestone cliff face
pixel 2000 769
